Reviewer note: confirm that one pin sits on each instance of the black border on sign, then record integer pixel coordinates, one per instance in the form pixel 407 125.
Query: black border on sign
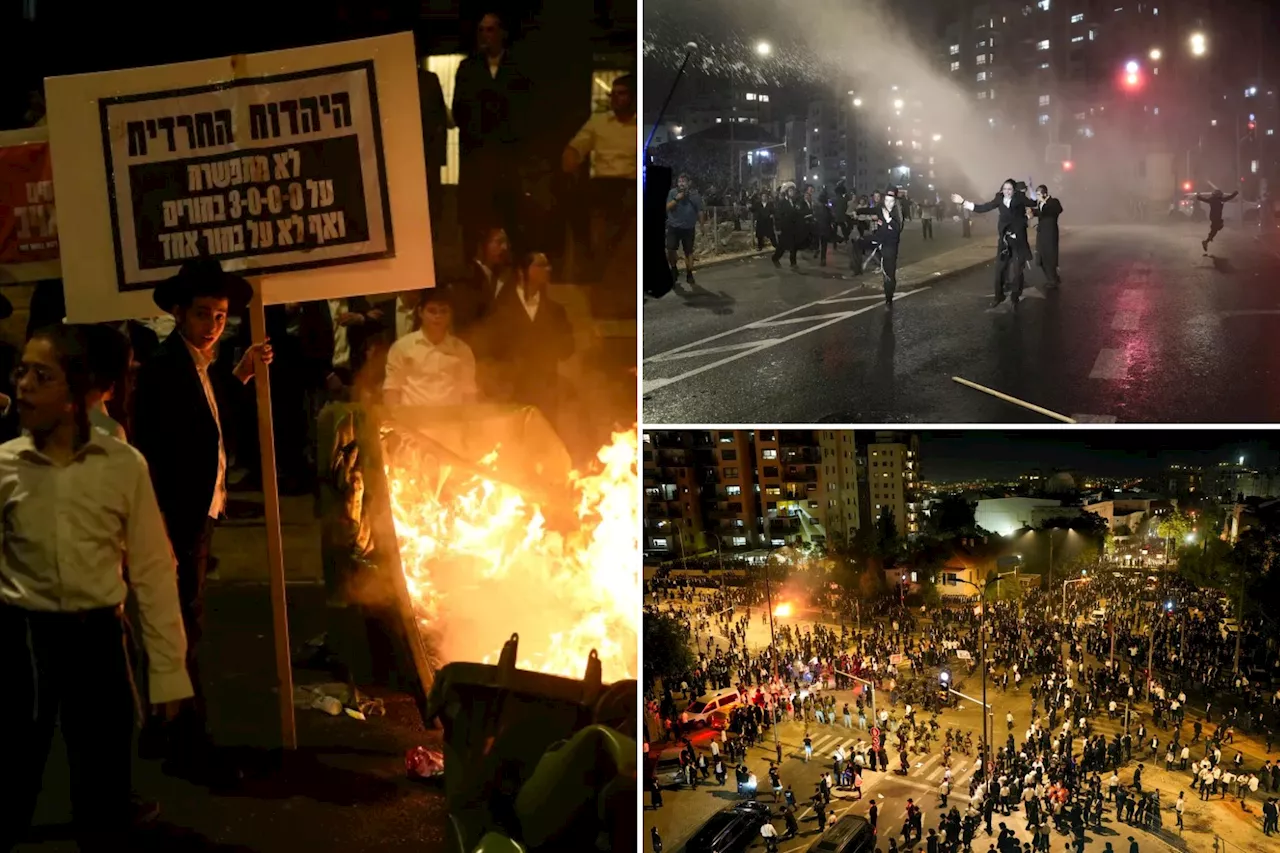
pixel 365 65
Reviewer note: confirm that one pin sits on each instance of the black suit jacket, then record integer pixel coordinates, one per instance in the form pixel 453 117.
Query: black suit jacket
pixel 489 111
pixel 176 432
pixel 519 356
pixel 435 118
pixel 316 337
pixel 473 298
pixel 1013 221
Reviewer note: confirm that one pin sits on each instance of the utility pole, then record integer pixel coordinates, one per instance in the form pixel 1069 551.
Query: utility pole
pixel 1235 666
pixel 773 649
pixel 1239 177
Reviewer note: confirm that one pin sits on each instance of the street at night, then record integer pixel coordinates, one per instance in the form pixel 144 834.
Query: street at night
pixel 1098 563
pixel 1143 329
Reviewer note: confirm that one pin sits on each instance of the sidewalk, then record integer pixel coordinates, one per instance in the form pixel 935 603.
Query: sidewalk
pixel 343 789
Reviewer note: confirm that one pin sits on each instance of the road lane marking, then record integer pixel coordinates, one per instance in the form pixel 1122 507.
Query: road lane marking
pixel 710 351
pixel 1110 364
pixel 649 385
pixel 835 300
pixel 790 321
pixel 1125 321
pixel 1094 419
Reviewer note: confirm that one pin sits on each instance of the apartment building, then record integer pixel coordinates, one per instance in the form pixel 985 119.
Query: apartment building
pixel 893 476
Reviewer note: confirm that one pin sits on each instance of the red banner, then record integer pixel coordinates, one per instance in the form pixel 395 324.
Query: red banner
pixel 28 217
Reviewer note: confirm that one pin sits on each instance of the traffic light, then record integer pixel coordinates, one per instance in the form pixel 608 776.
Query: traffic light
pixel 1067 165
pixel 1251 133
pixel 1131 76
pixel 1186 186
pixel 944 680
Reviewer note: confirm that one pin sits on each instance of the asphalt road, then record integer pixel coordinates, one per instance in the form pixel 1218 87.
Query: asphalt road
pixel 1144 329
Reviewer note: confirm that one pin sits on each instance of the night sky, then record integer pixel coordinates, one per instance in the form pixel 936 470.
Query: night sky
pixel 968 455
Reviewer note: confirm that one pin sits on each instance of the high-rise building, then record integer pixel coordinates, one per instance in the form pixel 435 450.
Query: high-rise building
pixel 740 490
pixel 893 474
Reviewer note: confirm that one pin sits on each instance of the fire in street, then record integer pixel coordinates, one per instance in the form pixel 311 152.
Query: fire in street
pixel 481 562
pixel 784 609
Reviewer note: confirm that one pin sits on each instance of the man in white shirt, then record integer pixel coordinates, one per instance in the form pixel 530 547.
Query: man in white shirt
pixel 178 426
pixel 430 367
pixel 75 502
pixel 610 139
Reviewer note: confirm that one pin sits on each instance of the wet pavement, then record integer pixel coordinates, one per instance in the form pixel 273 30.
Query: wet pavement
pixel 1145 329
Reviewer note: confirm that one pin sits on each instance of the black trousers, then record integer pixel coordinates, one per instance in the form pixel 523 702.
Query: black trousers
pixel 786 244
pixel 1048 263
pixel 186 736
pixel 889 256
pixel 765 234
pixel 1008 265
pixel 1215 225
pixel 70 670
pixel 927 228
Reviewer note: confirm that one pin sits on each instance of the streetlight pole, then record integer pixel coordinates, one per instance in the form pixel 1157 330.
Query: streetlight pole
pixel 684 560
pixel 719 552
pixel 773 650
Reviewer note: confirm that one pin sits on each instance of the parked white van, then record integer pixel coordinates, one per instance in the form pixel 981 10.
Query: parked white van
pixel 701 709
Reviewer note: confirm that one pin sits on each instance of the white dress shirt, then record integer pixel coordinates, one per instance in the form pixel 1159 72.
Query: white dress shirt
pixel 427 374
pixel 341 345
pixel 220 485
pixel 66 532
pixel 404 318
pixel 530 303
pixel 611 143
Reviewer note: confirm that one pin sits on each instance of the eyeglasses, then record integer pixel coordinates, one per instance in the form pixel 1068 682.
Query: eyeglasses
pixel 43 375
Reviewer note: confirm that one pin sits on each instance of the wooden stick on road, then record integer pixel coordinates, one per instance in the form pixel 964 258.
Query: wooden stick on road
pixel 1023 403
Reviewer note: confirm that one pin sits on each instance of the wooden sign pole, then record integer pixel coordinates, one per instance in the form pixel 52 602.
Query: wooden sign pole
pixel 271 503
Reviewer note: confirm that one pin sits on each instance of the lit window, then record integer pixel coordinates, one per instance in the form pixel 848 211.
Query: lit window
pixel 1044 5
pixel 982 96
pixel 751 96
pixel 1044 66
pixel 1156 110
pixel 764 98
pixel 993 94
pixel 982 75
pixel 1093 34
pixel 1270 132
pixel 1043 44
pixel 1081 116
pixel 718 119
pixel 955 48
pixel 1077 18
pixel 1044 100
pixel 982 59
pixel 1253 166
pixel 658 543
pixel 1075 39
pixel 1044 119
pixel 769 453
pixel 982 44
pixel 955 66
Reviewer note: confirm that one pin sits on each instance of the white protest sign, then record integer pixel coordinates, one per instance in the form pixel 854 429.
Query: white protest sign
pixel 303 168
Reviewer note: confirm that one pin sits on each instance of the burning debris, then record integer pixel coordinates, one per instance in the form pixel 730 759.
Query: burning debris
pixel 487 549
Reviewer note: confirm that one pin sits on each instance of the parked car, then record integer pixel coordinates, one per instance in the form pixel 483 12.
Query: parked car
pixel 731 830
pixel 668 772
pixel 849 834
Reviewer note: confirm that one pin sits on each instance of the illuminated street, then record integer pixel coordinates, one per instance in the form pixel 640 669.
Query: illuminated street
pixel 1072 599
pixel 1142 330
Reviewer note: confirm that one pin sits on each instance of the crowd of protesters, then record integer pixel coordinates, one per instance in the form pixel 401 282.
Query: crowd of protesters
pixel 1059 771
pixel 123 442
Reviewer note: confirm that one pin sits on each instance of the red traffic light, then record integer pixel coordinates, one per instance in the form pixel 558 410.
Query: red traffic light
pixel 1253 125
pixel 1067 165
pixel 1186 186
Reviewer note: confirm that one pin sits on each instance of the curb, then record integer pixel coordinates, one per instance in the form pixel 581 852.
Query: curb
pixel 716 260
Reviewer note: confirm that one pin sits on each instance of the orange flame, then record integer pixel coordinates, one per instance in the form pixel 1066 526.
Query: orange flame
pixel 784 609
pixel 481 564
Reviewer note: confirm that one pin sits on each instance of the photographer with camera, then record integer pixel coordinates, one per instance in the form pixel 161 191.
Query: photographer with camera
pixel 1012 250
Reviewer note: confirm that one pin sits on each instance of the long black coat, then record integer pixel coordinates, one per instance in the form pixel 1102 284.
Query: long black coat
pixel 175 430
pixel 1047 230
pixel 789 218
pixel 1012 227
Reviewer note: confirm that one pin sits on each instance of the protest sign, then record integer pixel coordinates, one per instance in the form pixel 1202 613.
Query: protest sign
pixel 298 168
pixel 28 216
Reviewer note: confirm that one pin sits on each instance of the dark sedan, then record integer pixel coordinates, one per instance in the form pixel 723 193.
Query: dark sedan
pixel 731 830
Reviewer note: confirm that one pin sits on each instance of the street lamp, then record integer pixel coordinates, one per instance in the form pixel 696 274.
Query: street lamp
pixel 764 48
pixel 937 137
pixel 1155 54
pixel 1198 45
pixel 897 103
pixel 719 552
pixel 857 102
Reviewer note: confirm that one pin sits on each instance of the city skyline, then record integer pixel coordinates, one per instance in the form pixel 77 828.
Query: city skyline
pixel 951 456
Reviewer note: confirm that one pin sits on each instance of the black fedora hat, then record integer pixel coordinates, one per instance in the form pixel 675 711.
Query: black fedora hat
pixel 202 277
